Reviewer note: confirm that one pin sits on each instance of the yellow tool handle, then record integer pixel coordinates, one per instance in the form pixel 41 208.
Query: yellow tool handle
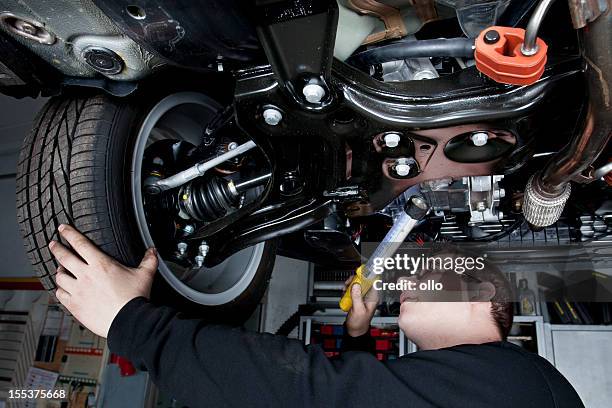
pixel 347 302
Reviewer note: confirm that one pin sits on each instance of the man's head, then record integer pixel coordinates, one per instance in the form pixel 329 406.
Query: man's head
pixel 473 308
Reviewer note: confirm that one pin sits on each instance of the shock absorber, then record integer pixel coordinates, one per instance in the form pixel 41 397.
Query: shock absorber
pixel 207 199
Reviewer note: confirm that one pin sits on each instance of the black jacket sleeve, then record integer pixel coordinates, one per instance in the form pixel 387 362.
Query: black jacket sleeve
pixel 364 343
pixel 216 366
pixel 193 361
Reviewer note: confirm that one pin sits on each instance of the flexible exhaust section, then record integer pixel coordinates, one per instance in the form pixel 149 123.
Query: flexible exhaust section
pixel 547 191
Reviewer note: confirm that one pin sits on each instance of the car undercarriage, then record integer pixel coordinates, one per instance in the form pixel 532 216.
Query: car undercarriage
pixel 224 132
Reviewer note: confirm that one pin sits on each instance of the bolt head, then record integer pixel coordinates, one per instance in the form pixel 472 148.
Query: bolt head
pixel 392 139
pixel 313 93
pixel 182 247
pixel 491 37
pixel 272 116
pixel 402 170
pixel 419 202
pixel 232 146
pixel 27 28
pixel 518 204
pixel 32 29
pixel 402 167
pixel 424 74
pixel 479 138
pixel 103 60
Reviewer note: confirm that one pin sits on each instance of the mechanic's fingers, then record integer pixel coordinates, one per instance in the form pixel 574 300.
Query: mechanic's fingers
pixel 348 281
pixel 149 261
pixel 371 298
pixel 67 258
pixel 65 281
pixel 358 305
pixel 371 307
pixel 63 297
pixel 81 245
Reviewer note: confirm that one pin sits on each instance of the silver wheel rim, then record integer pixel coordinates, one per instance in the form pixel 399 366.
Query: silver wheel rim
pixel 209 286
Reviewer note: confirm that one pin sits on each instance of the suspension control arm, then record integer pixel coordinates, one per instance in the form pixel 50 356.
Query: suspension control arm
pixel 199 169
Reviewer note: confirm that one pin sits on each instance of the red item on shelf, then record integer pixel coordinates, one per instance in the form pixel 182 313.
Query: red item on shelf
pixel 329 344
pixel 388 333
pixel 383 345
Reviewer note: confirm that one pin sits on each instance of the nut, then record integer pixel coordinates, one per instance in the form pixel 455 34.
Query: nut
pixel 392 139
pixel 204 248
pixel 272 116
pixel 313 93
pixel 479 138
pixel 402 167
pixel 424 74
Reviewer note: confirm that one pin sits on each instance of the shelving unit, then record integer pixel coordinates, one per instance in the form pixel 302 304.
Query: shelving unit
pixel 532 334
pixel 390 346
pixel 309 325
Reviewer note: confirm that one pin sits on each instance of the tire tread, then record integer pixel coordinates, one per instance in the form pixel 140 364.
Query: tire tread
pixel 56 181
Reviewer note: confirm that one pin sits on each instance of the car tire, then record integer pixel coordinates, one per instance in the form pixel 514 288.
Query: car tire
pixel 74 168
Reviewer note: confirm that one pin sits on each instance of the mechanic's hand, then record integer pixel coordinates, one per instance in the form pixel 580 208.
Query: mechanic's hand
pixel 97 286
pixel 359 317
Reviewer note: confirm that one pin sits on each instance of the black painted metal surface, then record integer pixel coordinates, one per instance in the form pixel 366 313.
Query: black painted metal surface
pixel 190 33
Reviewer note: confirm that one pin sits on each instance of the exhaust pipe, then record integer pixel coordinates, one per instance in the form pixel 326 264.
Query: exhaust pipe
pixel 547 191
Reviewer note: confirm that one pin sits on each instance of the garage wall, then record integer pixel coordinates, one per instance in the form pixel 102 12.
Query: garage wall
pixel 16 116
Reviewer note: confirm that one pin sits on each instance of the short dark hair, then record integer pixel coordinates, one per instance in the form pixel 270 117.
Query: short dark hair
pixel 502 310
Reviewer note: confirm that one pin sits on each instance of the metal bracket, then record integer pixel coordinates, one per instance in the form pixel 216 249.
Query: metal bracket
pixel 585 11
pixel 298 37
pixel 390 16
pixel 268 223
pixel 347 192
pixel 115 88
